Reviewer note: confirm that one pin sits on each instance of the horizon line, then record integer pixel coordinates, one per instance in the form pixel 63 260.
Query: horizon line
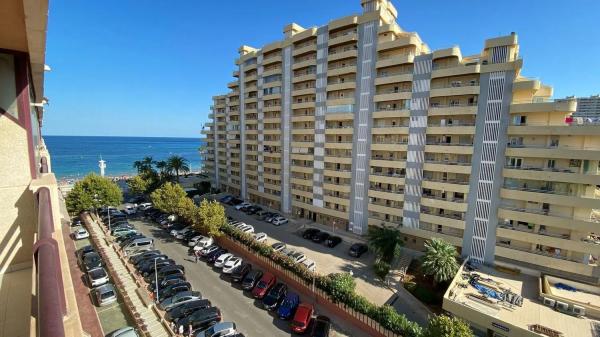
pixel 47 135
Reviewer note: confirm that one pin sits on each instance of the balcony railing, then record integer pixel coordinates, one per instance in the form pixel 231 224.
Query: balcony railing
pixel 536 190
pixel 537 168
pixel 51 303
pixel 448 162
pixel 396 73
pixel 449 144
pixel 447 181
pixel 456 105
pixel 385 141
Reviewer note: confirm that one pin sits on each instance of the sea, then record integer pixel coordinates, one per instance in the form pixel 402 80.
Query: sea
pixel 73 157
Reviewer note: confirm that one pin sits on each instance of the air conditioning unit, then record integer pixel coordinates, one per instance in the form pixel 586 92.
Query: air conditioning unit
pixel 549 302
pixel 578 311
pixel 562 306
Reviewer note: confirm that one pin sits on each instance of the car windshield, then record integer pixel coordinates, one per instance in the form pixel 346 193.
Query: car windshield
pixel 97 273
pixel 107 294
pixel 298 324
pixel 262 284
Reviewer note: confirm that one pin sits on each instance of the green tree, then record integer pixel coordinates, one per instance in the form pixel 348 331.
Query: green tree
pixel 341 286
pixel 93 191
pixel 212 217
pixel 188 211
pixel 439 260
pixel 178 164
pixel 168 197
pixel 381 269
pixel 386 242
pixel 446 326
pixel 144 165
pixel 138 184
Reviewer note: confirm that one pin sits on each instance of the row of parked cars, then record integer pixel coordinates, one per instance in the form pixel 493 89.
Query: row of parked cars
pixel 166 279
pixel 264 287
pixel 250 209
pixel 102 291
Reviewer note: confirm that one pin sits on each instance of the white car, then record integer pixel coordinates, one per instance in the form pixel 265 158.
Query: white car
pixel 81 233
pixel 298 257
pixel 203 243
pixel 193 241
pixel 278 246
pixel 231 264
pixel 222 259
pixel 129 209
pixel 247 229
pixel 279 221
pixel 260 237
pixel 174 232
pixel 144 206
pixel 97 277
pixel 183 232
pixel 242 205
pixel 309 264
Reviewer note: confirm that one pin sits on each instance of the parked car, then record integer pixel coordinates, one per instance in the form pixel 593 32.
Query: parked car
pixel 261 215
pixel 222 259
pixel 249 229
pixel 144 255
pixel 260 237
pixel 193 241
pixel 76 222
pixel 279 221
pixel 80 234
pixel 321 327
pixel 219 330
pixel 288 306
pixel 201 319
pixel 104 294
pixel 225 199
pixel 97 277
pixel 167 281
pixel 186 309
pixel 150 268
pixel 204 242
pixel 298 257
pixel 253 209
pixel 267 281
pixel 129 209
pixel 333 241
pixel 91 261
pixel 205 251
pixel 231 264
pixel 173 289
pixel 238 274
pixel 177 228
pixel 358 249
pixel 141 265
pixel 278 246
pixel 127 238
pixel 122 231
pixel 275 296
pixel 124 332
pixel 251 279
pixel 179 298
pixel 234 201
pixel 309 233
pixel 138 245
pixel 82 252
pixel 212 257
pixel 309 264
pixel 164 271
pixel 272 216
pixel 302 318
pixel 144 206
pixel 242 205
pixel 320 237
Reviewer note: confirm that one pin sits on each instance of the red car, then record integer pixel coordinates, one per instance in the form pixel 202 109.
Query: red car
pixel 302 318
pixel 262 287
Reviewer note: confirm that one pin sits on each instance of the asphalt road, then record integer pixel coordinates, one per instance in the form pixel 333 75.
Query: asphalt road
pixel 235 305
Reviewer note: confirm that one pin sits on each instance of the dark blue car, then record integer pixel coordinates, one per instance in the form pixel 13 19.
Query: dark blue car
pixel 288 306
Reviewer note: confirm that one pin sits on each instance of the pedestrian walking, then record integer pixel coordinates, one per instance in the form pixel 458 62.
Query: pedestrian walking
pixel 190 330
pixel 196 257
pixel 181 330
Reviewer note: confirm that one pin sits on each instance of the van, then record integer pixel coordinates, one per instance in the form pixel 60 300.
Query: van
pixel 140 244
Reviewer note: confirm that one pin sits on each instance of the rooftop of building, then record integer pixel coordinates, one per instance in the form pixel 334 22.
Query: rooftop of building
pixel 532 290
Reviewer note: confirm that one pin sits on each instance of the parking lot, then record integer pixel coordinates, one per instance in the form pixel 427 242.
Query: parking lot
pixel 235 305
pixel 112 316
pixel 328 260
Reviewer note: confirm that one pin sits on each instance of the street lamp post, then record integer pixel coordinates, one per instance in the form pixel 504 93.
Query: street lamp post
pixel 156 279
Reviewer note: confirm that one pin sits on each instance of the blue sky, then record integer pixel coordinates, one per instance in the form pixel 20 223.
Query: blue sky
pixel 150 68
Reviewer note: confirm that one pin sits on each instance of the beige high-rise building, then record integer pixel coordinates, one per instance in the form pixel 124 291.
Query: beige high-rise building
pixel 358 123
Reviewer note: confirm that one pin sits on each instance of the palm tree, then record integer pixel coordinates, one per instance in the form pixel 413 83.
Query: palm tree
pixel 144 165
pixel 178 164
pixel 439 260
pixel 385 241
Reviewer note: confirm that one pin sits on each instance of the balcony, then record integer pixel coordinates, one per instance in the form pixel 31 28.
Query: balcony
pixel 342 54
pixel 455 89
pixel 548 195
pixel 394 77
pixel 453 109
pixel 342 38
pixel 552 174
pixel 543 258
pixel 455 70
pixel 383 62
pixel 539 104
pixel 388 129
pixel 304 48
pixel 341 70
pixel 392 95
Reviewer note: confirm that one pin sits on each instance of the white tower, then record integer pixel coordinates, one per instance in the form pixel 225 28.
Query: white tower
pixel 102 165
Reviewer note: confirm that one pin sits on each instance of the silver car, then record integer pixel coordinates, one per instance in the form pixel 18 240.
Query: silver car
pixel 104 294
pixel 220 330
pixel 124 332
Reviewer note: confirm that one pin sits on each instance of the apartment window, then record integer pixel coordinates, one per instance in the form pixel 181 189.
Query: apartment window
pixel 8 91
pixel 519 120
pixel 515 162
pixel 551 163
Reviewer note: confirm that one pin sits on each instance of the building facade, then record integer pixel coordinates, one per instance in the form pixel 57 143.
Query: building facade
pixel 588 107
pixel 358 123
pixel 37 296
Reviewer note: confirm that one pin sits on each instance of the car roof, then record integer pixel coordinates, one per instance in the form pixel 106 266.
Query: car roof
pixel 304 309
pixel 292 295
